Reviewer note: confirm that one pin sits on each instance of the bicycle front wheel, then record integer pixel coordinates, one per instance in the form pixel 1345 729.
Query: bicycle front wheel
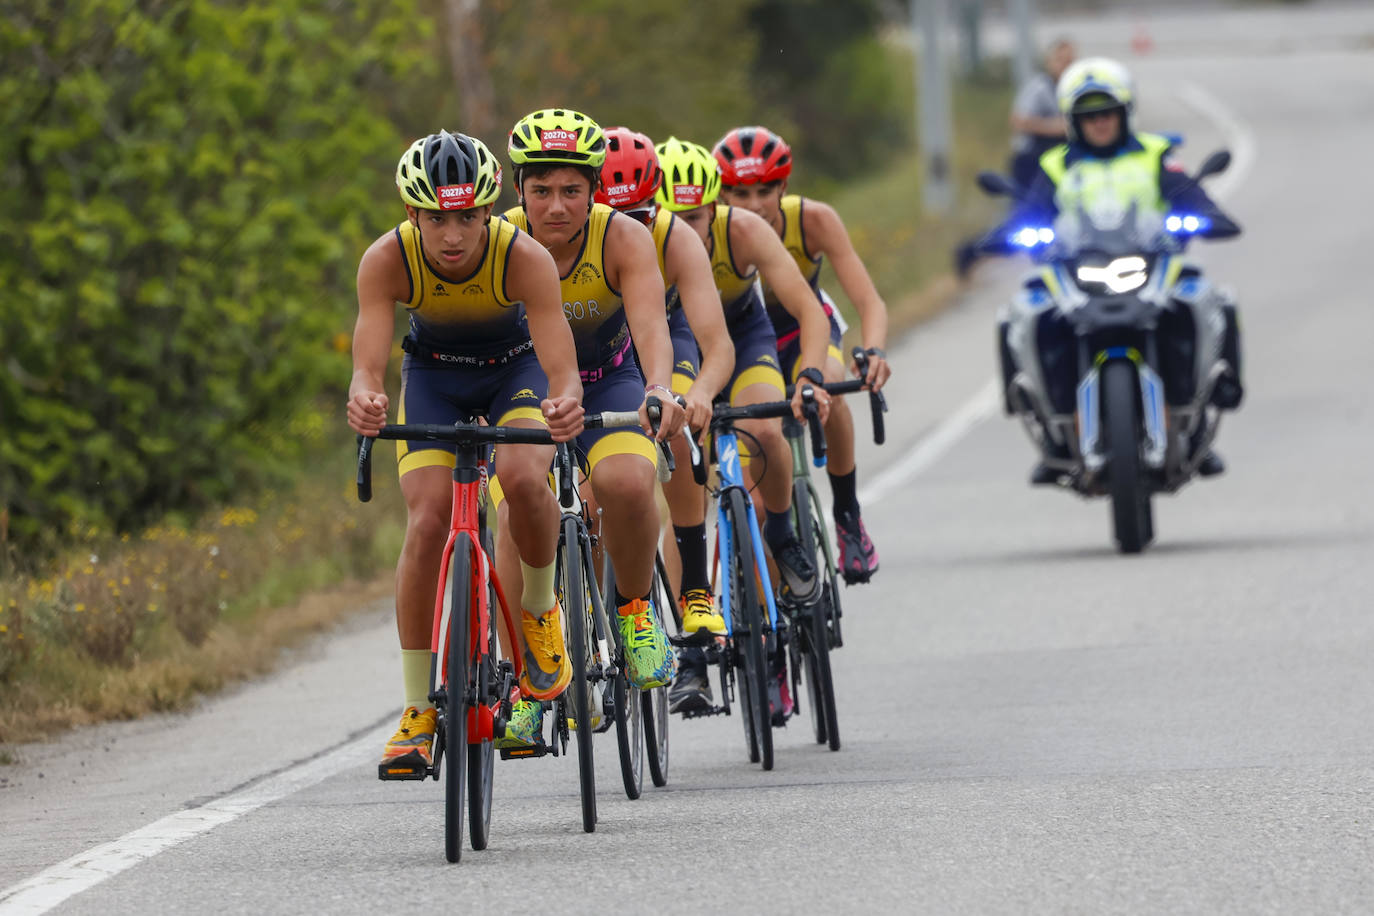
pixel 458 647
pixel 654 703
pixel 482 754
pixel 816 622
pixel 750 612
pixel 575 611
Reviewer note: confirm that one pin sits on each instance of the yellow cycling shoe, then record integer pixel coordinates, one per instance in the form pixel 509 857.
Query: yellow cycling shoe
pixel 410 752
pixel 547 666
pixel 699 613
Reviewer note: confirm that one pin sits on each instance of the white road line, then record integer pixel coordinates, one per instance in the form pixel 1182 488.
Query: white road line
pixel 54 885
pixel 931 448
pixel 1239 137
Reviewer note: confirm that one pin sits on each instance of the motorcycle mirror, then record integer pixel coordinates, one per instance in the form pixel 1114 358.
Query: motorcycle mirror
pixel 996 185
pixel 1215 164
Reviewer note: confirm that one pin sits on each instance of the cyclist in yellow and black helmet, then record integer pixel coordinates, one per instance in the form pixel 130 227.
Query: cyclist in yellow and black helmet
pixel 486 335
pixel 612 295
pixel 744 248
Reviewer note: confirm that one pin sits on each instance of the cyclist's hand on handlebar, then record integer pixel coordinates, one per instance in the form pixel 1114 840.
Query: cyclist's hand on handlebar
pixel 563 416
pixel 671 416
pixel 879 370
pixel 367 412
pixel 698 408
pixel 822 400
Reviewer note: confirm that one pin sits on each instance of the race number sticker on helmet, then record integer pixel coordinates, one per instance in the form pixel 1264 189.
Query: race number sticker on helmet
pixel 456 196
pixel 688 195
pixel 558 139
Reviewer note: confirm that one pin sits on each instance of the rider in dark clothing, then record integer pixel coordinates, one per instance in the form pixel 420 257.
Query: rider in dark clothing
pixel 1105 159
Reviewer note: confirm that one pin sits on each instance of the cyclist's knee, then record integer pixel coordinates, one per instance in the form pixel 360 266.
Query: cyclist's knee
pixel 428 522
pixel 624 480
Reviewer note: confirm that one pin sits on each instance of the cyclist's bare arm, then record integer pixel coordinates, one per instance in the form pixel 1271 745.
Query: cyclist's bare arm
pixel 759 245
pixel 689 267
pixel 532 278
pixel 826 235
pixel 632 267
pixel 381 284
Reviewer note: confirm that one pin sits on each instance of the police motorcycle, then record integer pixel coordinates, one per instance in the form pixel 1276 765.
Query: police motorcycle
pixel 1114 273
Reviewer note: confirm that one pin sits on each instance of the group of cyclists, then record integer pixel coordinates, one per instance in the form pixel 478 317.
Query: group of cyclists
pixel 630 270
pixel 627 271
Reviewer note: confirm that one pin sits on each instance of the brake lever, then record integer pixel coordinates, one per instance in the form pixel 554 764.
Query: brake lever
pixel 813 419
pixel 365 468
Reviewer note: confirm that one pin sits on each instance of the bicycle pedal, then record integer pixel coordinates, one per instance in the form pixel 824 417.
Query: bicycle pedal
pixel 701 638
pixel 391 772
pixel 701 713
pixel 537 749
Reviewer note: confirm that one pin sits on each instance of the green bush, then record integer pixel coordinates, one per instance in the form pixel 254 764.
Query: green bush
pixel 187 186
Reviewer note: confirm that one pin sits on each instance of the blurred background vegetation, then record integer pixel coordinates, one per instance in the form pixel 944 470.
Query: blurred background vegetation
pixel 186 188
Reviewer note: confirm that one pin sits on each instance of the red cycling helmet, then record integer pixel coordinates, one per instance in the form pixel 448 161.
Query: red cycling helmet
pixel 753 155
pixel 631 173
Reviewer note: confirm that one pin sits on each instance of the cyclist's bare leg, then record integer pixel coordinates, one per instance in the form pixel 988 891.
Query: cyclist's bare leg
pixel 428 493
pixel 774 484
pixel 839 426
pixel 623 485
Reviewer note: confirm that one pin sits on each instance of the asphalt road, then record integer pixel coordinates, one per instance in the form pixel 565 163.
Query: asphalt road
pixel 1031 722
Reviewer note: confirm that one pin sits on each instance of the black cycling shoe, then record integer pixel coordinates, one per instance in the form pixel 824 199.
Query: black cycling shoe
pixel 691 689
pixel 1043 475
pixel 1227 393
pixel 796 570
pixel 1211 465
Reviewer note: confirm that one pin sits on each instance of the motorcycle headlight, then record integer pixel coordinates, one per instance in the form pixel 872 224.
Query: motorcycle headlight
pixel 1119 276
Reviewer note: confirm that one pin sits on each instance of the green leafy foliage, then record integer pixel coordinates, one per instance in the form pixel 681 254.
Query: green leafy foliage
pixel 187 185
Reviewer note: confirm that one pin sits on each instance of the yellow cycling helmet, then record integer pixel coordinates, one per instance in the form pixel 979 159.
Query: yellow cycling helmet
pixel 557 135
pixel 691 175
pixel 447 171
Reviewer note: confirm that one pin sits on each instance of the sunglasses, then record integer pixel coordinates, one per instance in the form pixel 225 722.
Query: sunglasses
pixel 645 213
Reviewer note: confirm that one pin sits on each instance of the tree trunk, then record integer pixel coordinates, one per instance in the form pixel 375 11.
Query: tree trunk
pixel 465 50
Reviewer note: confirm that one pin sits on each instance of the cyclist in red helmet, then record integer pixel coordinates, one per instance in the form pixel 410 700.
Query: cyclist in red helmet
pixel 703 353
pixel 755 164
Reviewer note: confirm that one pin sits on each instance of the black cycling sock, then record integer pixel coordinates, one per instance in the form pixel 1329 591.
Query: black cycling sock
pixel 777 527
pixel 842 489
pixel 691 547
pixel 621 600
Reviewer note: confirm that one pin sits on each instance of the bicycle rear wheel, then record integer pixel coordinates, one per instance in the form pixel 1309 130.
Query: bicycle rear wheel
pixel 816 620
pixel 458 647
pixel 654 703
pixel 749 609
pixel 575 611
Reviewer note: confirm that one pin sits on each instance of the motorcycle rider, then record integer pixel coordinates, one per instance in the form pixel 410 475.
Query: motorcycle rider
pixel 1104 156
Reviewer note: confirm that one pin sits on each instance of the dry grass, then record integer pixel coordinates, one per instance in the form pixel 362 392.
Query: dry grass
pixel 122 627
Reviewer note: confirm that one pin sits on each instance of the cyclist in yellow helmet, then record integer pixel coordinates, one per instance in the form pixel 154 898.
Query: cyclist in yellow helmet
pixel 755 164
pixel 744 248
pixel 486 335
pixel 612 295
pixel 703 355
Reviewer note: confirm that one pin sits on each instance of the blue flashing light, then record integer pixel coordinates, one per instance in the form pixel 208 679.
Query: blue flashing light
pixel 1186 224
pixel 1031 236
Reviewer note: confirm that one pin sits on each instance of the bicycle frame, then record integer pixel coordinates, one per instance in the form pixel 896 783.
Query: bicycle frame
pixel 732 477
pixel 468 516
pixel 801 470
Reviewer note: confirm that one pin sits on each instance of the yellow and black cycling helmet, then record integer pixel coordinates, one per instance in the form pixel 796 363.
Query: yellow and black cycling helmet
pixel 691 175
pixel 557 136
pixel 447 171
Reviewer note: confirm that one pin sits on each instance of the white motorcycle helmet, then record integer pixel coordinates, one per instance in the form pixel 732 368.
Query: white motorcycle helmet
pixel 1095 84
